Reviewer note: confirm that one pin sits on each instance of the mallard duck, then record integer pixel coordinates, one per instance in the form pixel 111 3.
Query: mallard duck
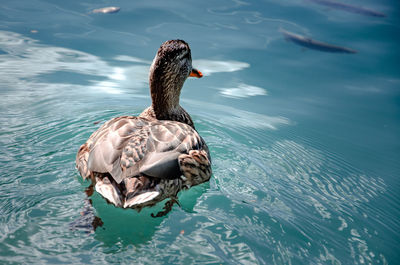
pixel 138 161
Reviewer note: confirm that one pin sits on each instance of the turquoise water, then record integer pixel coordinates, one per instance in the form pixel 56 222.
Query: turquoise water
pixel 305 143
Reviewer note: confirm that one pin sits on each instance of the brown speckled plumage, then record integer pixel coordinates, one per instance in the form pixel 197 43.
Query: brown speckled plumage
pixel 139 161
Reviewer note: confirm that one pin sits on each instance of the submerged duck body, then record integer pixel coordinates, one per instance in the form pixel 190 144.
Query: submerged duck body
pixel 138 161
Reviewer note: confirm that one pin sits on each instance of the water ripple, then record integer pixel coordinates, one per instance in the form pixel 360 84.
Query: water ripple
pixel 289 182
pixel 274 197
pixel 281 195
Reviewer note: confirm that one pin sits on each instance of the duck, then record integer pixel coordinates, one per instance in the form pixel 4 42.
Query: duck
pixel 138 161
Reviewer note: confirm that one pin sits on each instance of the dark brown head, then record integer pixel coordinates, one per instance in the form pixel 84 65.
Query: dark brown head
pixel 169 70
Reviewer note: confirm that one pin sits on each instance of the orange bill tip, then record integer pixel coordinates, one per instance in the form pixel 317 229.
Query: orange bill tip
pixel 196 73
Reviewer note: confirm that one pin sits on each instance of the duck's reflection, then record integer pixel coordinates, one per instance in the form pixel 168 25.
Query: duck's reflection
pixel 124 227
pixel 87 221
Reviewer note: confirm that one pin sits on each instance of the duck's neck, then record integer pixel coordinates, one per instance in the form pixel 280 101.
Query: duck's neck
pixel 165 90
pixel 164 109
pixel 180 115
pixel 164 100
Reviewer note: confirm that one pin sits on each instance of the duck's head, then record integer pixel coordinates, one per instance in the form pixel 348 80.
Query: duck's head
pixel 171 66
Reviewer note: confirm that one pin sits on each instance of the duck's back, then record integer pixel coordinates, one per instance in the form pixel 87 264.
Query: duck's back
pixel 132 146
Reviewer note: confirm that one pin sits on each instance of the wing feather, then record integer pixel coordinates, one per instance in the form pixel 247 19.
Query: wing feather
pixel 130 146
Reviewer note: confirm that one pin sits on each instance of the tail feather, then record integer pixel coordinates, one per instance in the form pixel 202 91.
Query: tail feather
pixel 195 167
pixel 109 191
pixel 141 199
pixel 81 161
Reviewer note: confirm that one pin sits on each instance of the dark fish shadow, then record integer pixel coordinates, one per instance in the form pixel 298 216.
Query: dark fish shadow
pixel 309 43
pixel 349 8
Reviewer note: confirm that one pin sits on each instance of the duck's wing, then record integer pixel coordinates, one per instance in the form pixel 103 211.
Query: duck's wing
pixel 132 146
pixel 82 156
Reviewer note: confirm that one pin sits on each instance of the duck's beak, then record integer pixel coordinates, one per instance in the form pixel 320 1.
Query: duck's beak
pixel 196 73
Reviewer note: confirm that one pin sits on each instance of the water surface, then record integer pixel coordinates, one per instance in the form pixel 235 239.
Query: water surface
pixel 305 144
